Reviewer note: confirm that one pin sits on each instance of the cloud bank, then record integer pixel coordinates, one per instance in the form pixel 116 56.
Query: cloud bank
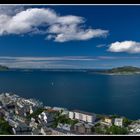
pixel 18 20
pixel 58 62
pixel 125 46
pixel 44 62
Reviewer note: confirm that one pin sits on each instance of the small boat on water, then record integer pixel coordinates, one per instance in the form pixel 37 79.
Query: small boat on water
pixel 52 83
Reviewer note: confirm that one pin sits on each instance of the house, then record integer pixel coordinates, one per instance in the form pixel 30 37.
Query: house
pixel 20 118
pixel 107 121
pixel 82 116
pixel 46 118
pixel 45 131
pixel 10 106
pixel 36 131
pixel 58 131
pixel 21 111
pixel 79 128
pixel 82 128
pixel 118 122
pixel 47 107
pixel 33 124
pixel 58 109
pixel 24 111
pixel 13 123
pixel 22 129
pixel 71 115
pixel 135 128
pixel 88 128
pixel 64 111
pixel 66 127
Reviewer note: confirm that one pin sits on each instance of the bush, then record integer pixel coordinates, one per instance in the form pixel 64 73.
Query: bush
pixel 98 130
pixel 116 130
pixel 126 122
pixel 97 124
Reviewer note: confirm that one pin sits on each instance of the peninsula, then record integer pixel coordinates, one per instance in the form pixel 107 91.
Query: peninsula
pixel 122 70
pixel 3 68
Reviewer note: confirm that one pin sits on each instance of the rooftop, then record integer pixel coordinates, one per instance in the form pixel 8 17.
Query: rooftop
pixel 83 112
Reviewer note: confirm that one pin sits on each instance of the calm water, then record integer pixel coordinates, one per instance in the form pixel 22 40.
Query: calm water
pixel 104 94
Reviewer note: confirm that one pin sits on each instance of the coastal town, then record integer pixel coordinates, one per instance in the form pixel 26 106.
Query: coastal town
pixel 20 116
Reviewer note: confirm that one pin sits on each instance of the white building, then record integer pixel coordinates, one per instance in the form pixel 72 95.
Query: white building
pixel 82 116
pixel 71 115
pixel 46 118
pixel 118 122
pixel 59 109
pixel 48 107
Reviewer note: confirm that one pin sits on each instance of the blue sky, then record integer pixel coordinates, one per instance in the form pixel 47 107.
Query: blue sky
pixel 69 36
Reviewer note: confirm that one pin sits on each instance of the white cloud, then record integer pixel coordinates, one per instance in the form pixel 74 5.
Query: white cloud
pixel 63 58
pixel 45 21
pixel 125 46
pixel 62 33
pixel 59 62
pixel 26 21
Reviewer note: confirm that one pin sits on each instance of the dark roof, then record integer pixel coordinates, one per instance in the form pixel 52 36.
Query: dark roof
pixel 84 112
pixel 62 131
pixel 23 133
pixel 23 128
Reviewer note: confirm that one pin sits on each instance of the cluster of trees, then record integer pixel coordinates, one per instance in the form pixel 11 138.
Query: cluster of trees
pixel 35 113
pixel 126 122
pixel 116 130
pixel 113 130
pixel 5 128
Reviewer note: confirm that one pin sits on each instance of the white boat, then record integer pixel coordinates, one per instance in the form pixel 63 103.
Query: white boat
pixel 52 83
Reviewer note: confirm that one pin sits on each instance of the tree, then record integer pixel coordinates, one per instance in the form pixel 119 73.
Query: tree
pixel 98 130
pixel 5 128
pixel 116 130
pixel 126 122
pixel 97 124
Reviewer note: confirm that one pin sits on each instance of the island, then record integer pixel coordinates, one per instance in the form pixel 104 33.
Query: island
pixel 126 70
pixel 3 68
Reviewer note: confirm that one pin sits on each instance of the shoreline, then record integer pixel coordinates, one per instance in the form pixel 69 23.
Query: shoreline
pixel 36 101
pixel 60 121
